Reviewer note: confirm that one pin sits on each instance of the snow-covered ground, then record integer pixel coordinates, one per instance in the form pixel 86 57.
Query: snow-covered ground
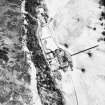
pixel 76 23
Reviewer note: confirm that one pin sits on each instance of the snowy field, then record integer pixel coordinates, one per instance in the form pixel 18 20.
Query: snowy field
pixel 77 24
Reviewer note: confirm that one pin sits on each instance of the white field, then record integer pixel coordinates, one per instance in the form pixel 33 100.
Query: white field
pixel 89 86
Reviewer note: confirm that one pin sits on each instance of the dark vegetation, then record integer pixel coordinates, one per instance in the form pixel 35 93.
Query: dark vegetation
pixel 14 102
pixel 103 15
pixel 11 13
pixel 16 62
pixel 90 54
pixel 31 5
pixel 66 45
pixel 83 70
pixel 3 55
pixel 102 2
pixel 103 33
pixel 45 83
pixel 16 2
pixel 5 91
